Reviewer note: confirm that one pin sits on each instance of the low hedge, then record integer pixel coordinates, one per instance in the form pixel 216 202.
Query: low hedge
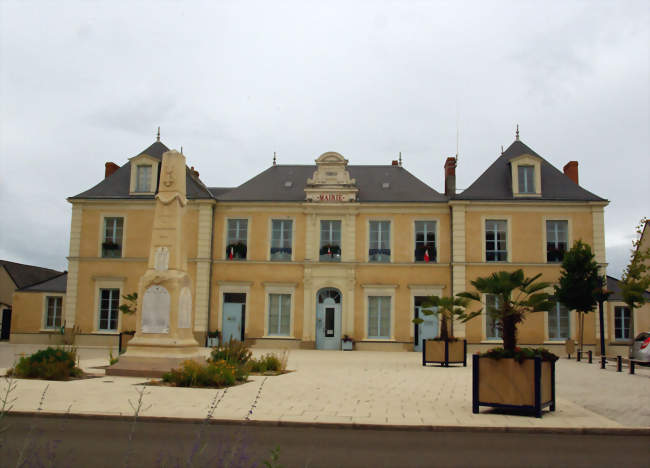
pixel 48 364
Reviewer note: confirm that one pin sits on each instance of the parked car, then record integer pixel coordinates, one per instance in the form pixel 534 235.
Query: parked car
pixel 640 349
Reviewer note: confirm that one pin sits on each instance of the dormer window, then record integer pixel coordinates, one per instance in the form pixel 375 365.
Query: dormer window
pixel 526 179
pixel 143 179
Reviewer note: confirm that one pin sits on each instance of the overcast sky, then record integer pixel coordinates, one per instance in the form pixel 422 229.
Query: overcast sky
pixel 82 83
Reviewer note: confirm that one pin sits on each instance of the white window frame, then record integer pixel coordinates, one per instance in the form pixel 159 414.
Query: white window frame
pixel 102 231
pixel 434 258
pixel 143 160
pixel 107 283
pixel 526 160
pixel 485 319
pixel 46 300
pixel 556 313
pixel 379 290
pixel 555 241
pixel 115 291
pixel 279 288
pixel 293 230
pixel 330 240
pixel 119 241
pixel 381 309
pixel 380 241
pixel 227 236
pixel 528 171
pixel 142 183
pixel 507 241
pixel 630 321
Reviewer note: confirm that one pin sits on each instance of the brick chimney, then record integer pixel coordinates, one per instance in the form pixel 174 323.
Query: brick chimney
pixel 450 177
pixel 571 170
pixel 194 172
pixel 111 167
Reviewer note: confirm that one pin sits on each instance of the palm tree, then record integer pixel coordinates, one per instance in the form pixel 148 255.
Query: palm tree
pixel 446 308
pixel 517 295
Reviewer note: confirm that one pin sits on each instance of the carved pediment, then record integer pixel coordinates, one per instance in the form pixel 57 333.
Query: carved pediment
pixel 331 181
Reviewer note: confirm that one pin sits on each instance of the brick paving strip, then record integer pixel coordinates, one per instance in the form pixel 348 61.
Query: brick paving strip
pixel 361 390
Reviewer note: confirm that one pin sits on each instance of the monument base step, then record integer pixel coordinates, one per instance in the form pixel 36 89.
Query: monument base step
pixel 135 366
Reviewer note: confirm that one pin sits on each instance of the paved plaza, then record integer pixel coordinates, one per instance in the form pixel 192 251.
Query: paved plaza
pixel 350 388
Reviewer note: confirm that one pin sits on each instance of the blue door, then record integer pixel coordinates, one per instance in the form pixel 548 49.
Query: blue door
pixel 425 330
pixel 328 319
pixel 232 321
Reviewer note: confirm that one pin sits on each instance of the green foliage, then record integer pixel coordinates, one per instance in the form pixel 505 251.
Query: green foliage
pixel 579 279
pixel 131 303
pixel 517 296
pixel 234 352
pixel 49 364
pixel 267 363
pixel 636 277
pixel 446 308
pixel 112 359
pixel 274 462
pixel 520 354
pixel 212 374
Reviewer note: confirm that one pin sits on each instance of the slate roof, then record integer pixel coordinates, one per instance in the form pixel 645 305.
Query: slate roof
pixel 496 182
pixel 25 275
pixel 270 186
pixel 117 185
pixel 614 285
pixel 57 284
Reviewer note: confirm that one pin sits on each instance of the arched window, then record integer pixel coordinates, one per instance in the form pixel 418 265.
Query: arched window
pixel 329 292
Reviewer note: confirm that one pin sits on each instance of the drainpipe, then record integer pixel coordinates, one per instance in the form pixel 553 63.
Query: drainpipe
pixel 210 277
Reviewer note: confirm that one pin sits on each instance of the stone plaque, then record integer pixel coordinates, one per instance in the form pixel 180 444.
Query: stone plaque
pixel 155 310
pixel 162 259
pixel 185 309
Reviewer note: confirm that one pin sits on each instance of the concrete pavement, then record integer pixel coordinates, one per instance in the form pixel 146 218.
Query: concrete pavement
pixel 351 388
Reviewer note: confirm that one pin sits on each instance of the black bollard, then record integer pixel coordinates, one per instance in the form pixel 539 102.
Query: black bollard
pixel 603 362
pixel 631 367
pixel 578 355
pixel 590 356
pixel 619 363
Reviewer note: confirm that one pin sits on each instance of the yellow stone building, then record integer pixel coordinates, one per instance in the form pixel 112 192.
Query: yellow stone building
pixel 301 255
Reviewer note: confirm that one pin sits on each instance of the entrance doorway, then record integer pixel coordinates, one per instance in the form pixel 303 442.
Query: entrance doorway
pixel 233 321
pixel 328 319
pixel 6 324
pixel 426 330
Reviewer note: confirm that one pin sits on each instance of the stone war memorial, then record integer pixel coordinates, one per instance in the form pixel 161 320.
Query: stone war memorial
pixel 163 337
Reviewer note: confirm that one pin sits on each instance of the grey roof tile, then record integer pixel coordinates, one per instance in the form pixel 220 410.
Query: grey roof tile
pixel 270 185
pixel 118 184
pixel 25 275
pixel 57 284
pixel 614 285
pixel 496 184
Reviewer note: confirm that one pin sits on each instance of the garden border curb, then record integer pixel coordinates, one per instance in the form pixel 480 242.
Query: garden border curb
pixel 619 431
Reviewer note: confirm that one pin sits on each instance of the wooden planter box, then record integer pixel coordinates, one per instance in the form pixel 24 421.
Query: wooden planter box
pixel 444 352
pixel 505 383
pixel 347 345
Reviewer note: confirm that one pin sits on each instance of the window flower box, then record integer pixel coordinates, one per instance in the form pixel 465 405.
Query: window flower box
pixel 236 251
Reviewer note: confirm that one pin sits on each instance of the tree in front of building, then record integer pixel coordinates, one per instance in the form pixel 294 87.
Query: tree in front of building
pixel 580 283
pixel 516 296
pixel 636 276
pixel 446 309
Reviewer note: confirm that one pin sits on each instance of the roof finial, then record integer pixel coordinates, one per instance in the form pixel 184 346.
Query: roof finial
pixel 158 135
pixel 501 149
pixel 400 159
pixel 181 150
pixel 274 159
pixel 517 133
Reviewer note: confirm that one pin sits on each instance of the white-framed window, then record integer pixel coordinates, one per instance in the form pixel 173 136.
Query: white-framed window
pixel 53 312
pixel 379 246
pixel 557 239
pixel 281 239
pixel 558 322
pixel 237 239
pixel 492 325
pixel 425 241
pixel 622 323
pixel 496 245
pixel 526 176
pixel 330 241
pixel 279 320
pixel 109 301
pixel 143 178
pixel 379 317
pixel 112 239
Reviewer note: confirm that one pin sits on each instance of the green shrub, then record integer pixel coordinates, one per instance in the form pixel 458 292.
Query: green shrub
pixel 49 364
pixel 234 352
pixel 268 362
pixel 212 374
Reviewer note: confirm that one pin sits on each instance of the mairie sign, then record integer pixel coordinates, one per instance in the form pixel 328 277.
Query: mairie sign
pixel 331 197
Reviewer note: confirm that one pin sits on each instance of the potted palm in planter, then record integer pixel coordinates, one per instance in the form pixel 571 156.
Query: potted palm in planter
pixel 445 349
pixel 513 377
pixel 347 343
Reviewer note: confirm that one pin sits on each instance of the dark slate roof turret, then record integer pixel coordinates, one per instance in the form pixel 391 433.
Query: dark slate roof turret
pixel 118 185
pixel 496 182
pixel 271 185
